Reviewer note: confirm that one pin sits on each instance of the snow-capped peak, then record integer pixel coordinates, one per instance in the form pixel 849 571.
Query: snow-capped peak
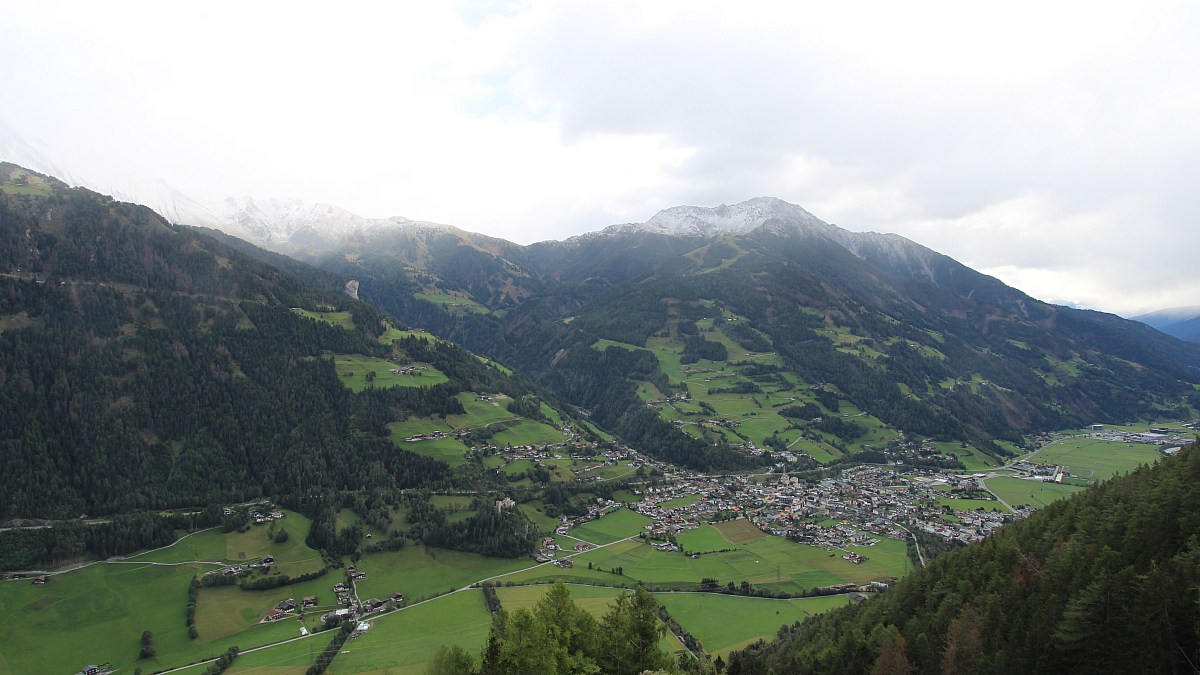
pixel 740 218
pixel 31 155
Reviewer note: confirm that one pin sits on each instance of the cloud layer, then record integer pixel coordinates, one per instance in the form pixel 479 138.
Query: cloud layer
pixel 1052 146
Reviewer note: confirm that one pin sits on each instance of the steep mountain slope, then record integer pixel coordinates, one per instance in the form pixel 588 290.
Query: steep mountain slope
pixel 1104 582
pixel 148 366
pixel 922 342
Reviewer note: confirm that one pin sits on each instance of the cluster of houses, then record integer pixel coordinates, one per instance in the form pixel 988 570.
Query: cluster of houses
pixel 285 607
pixel 352 608
pixel 264 562
pixel 260 512
pixel 857 508
pixel 425 437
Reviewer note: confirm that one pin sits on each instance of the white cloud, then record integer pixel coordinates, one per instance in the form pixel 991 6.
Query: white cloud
pixel 1052 145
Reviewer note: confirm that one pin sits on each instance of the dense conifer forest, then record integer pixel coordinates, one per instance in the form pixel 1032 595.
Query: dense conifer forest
pixel 146 367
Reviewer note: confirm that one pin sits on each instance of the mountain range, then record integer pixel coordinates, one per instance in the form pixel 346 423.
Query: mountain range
pixel 922 342
pixel 783 308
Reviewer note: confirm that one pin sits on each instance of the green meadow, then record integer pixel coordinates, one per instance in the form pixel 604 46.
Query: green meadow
pixel 342 319
pixel 527 432
pixel 356 373
pixel 97 614
pixel 767 561
pixel 1021 492
pixel 612 526
pixel 724 623
pixel 594 599
pixel 405 642
pixel 1097 460
pixel 419 572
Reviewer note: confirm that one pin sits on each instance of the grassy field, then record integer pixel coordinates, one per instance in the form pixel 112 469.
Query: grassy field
pixel 354 371
pixel 704 538
pixel 1093 459
pixel 292 557
pixel 686 500
pixel 342 319
pixel 723 623
pixel 1021 492
pixel 448 450
pixel 971 458
pixel 228 610
pixel 392 334
pixel 594 599
pixel 739 531
pixel 419 572
pixel 527 432
pixel 772 562
pixel 405 642
pixel 203 545
pixel 611 527
pixel 98 613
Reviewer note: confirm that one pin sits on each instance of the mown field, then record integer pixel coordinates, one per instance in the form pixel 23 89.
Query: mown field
pixel 745 554
pixel 1097 460
pixel 724 623
pixel 615 525
pixel 1020 492
pixel 405 642
pixel 419 572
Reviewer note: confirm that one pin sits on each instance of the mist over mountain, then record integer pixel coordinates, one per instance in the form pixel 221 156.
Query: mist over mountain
pixel 921 341
pixel 1180 322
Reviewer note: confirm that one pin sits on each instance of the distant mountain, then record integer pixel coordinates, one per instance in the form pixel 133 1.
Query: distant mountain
pixel 914 339
pixel 1181 322
pixel 922 342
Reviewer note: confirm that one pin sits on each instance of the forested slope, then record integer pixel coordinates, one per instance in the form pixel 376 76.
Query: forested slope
pixel 144 366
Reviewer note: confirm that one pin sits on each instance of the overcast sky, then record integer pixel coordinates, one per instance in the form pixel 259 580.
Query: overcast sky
pixel 1054 145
